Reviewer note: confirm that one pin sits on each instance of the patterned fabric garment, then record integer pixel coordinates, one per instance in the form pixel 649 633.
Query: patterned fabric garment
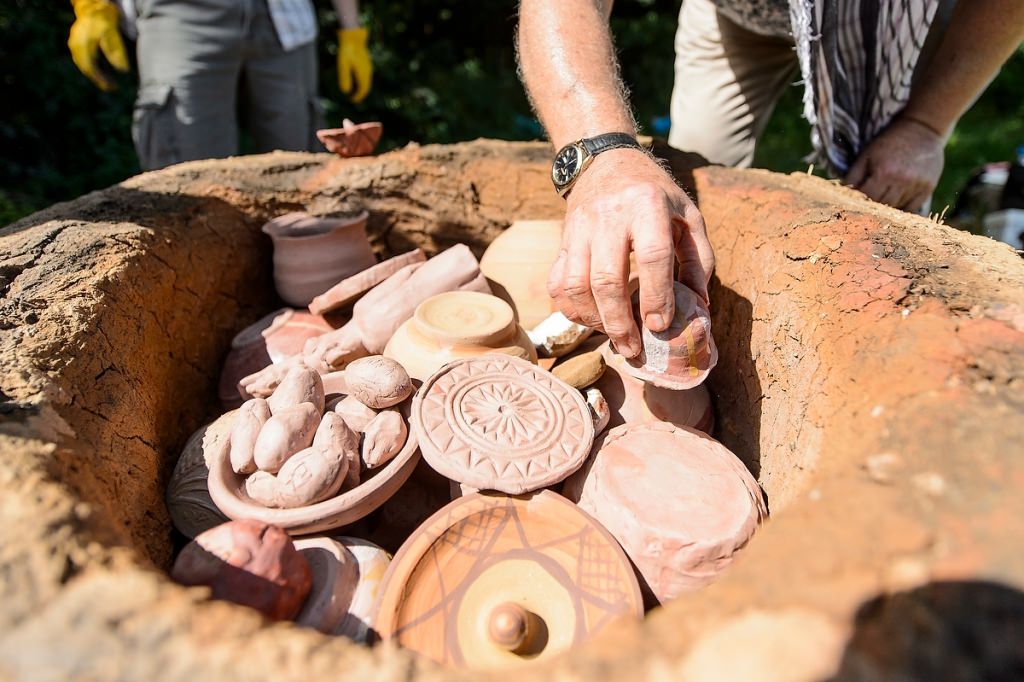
pixel 767 17
pixel 857 58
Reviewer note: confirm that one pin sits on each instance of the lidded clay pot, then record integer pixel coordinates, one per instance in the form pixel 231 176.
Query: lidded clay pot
pixel 517 264
pixel 457 324
pixel 313 254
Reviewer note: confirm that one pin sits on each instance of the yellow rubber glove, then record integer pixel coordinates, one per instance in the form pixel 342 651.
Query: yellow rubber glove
pixel 95 29
pixel 354 60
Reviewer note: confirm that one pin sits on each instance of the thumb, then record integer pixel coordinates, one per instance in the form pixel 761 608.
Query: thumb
pixel 113 49
pixel 858 171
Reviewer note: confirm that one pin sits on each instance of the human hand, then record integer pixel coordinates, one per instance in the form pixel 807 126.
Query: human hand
pixel 95 30
pixel 901 166
pixel 625 202
pixel 354 60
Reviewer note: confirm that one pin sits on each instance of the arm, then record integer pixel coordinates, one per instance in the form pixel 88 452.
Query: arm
pixel 624 201
pixel 354 60
pixel 903 165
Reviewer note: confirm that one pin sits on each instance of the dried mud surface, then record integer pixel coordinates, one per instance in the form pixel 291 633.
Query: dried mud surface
pixel 871 376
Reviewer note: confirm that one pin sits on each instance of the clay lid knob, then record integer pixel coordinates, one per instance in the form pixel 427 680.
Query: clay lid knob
pixel 511 627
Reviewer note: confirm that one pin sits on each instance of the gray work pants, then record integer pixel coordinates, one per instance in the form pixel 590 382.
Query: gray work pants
pixel 202 64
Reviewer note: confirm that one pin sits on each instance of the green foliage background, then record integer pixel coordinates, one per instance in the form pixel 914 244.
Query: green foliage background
pixel 445 71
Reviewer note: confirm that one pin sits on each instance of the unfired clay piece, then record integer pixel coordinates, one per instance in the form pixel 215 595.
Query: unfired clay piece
pixel 378 382
pixel 557 335
pixel 334 429
pixel 500 423
pixel 493 581
pixel 313 254
pixel 188 498
pixel 252 415
pixel 334 384
pixel 580 371
pixel 599 410
pixel 356 414
pixel 311 475
pixel 300 385
pixel 372 562
pixel 289 331
pixel 518 262
pixel 249 563
pixel 291 429
pixel 335 577
pixel 681 356
pixel 262 487
pixel 383 438
pixel 352 139
pixel 677 500
pixel 350 289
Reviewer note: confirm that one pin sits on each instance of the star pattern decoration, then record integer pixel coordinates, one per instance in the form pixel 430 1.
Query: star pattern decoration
pixel 505 413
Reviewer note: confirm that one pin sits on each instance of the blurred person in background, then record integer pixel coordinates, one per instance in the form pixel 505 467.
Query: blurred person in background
pixel 202 63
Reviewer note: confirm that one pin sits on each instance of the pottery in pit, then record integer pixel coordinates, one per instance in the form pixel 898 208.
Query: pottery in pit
pixel 249 563
pixel 679 357
pixel 348 290
pixel 188 498
pixel 351 139
pixel 335 575
pixel 632 401
pixel 313 254
pixel 300 385
pixel 372 563
pixel 227 489
pixel 383 438
pixel 680 503
pixel 378 382
pixel 252 415
pixel 517 262
pixel 492 582
pixel 287 432
pixel 457 324
pixel 557 335
pixel 310 476
pixel 495 422
pixel 582 370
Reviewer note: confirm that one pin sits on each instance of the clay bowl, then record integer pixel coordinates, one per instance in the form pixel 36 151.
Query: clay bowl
pixel 227 489
pixel 313 254
pixel 455 325
pixel 517 264
pixel 352 139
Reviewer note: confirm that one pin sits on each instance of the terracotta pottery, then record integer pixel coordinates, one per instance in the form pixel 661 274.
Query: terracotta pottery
pixel 349 290
pixel 493 582
pixel 189 504
pixel 681 356
pixel 372 563
pixel 517 264
pixel 249 563
pixel 457 324
pixel 582 370
pixel 288 333
pixel 634 402
pixel 313 254
pixel 378 382
pixel 496 422
pixel 335 575
pixel 557 335
pixel 352 139
pixel 677 500
pixel 228 492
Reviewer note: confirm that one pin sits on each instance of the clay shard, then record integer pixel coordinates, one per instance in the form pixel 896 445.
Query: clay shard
pixel 378 382
pixel 383 438
pixel 557 335
pixel 252 415
pixel 599 410
pixel 351 289
pixel 284 434
pixel 250 563
pixel 335 574
pixel 300 385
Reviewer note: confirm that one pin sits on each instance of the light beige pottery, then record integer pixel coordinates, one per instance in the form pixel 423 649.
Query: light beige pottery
pixel 517 264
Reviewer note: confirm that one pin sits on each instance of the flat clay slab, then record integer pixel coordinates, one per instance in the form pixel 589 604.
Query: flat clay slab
pixel 492 581
pixel 495 422
pixel 351 288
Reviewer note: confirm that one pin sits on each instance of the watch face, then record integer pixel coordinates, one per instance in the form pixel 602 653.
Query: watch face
pixel 566 165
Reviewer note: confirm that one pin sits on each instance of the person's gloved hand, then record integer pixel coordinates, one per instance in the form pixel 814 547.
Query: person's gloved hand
pixel 902 166
pixel 95 29
pixel 354 61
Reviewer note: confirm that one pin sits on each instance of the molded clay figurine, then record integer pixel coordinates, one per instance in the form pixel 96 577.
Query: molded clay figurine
pixel 252 415
pixel 356 414
pixel 383 438
pixel 284 434
pixel 351 139
pixel 300 385
pixel 250 563
pixel 378 382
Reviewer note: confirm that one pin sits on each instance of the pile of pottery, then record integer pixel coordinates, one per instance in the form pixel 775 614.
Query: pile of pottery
pixel 582 484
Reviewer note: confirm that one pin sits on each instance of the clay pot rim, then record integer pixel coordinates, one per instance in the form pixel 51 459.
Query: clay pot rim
pixel 227 489
pixel 501 327
pixel 349 129
pixel 340 223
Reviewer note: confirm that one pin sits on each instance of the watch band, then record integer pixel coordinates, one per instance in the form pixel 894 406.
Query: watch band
pixel 602 143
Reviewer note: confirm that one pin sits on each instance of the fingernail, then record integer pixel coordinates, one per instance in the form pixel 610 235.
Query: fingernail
pixel 655 322
pixel 626 349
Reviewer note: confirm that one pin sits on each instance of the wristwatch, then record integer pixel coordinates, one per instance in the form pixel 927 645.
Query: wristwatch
pixel 572 159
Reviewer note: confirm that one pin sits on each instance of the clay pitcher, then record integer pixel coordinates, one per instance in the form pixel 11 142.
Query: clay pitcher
pixel 517 264
pixel 313 254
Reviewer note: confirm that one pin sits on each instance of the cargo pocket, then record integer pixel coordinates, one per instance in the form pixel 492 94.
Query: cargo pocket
pixel 154 127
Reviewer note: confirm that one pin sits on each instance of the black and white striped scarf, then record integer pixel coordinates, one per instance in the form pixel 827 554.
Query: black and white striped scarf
pixel 857 58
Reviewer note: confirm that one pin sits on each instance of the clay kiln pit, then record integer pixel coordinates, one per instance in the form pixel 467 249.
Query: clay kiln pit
pixel 871 377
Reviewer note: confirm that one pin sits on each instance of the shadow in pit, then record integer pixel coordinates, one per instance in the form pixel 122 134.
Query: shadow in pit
pixel 969 630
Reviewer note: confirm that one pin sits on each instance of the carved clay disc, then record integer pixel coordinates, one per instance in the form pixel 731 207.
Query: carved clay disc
pixel 495 422
pixel 492 581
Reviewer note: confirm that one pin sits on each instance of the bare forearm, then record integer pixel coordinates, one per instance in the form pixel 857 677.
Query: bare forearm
pixel 569 68
pixel 982 35
pixel 348 12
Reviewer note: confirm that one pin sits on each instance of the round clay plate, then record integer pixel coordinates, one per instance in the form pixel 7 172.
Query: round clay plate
pixel 495 422
pixel 463 586
pixel 228 492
